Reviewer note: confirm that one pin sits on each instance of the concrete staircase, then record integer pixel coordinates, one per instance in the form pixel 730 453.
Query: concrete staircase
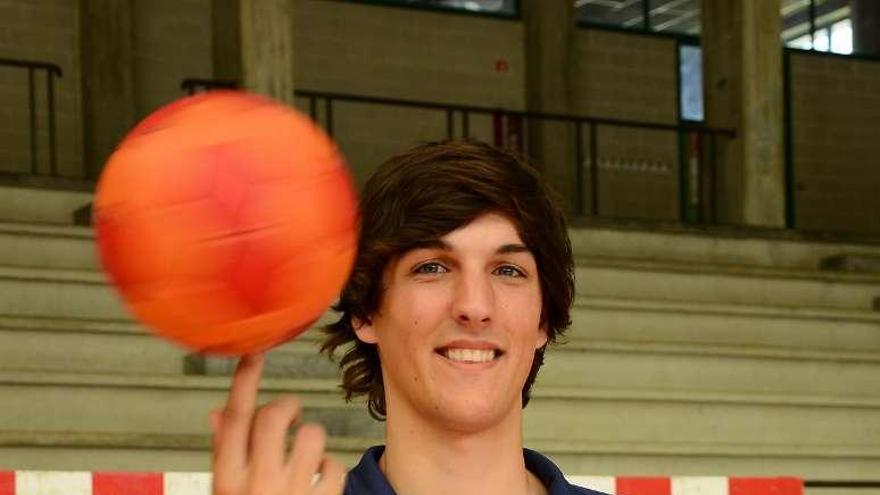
pixel 690 354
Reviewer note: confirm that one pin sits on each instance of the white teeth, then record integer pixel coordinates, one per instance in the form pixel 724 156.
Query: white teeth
pixel 470 355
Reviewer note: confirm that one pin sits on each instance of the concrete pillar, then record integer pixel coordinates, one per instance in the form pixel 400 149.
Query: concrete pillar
pixel 549 41
pixel 866 26
pixel 743 90
pixel 107 58
pixel 253 43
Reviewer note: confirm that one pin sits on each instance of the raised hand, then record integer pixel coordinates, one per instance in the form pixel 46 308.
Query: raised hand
pixel 250 457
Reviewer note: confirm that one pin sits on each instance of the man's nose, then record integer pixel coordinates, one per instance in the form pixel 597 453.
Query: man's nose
pixel 473 301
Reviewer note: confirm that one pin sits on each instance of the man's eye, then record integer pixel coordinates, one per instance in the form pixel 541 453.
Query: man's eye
pixel 430 268
pixel 509 271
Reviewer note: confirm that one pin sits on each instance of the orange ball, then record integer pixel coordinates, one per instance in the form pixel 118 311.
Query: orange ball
pixel 227 222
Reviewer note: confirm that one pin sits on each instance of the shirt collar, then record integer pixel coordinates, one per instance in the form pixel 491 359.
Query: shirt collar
pixel 367 478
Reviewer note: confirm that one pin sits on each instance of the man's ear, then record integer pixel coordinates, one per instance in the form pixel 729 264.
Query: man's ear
pixel 541 338
pixel 364 331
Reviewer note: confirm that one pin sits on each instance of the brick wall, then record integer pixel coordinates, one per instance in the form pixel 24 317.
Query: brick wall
pixel 393 52
pixel 633 77
pixel 47 31
pixel 380 51
pixel 172 41
pixel 835 118
pixel 410 54
pixel 405 53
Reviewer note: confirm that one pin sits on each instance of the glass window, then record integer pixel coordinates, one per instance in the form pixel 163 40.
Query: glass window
pixel 494 6
pixel 804 42
pixel 821 41
pixel 842 37
pixel 831 21
pixel 498 7
pixel 618 13
pixel 675 16
pixel 690 68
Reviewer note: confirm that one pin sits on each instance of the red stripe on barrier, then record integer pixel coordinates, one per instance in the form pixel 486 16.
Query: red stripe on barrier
pixel 643 486
pixel 127 484
pixel 7 482
pixel 766 486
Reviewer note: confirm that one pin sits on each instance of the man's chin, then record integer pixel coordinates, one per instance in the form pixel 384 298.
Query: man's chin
pixel 470 417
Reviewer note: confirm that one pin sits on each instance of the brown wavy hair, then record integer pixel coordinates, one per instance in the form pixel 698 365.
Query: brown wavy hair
pixel 423 194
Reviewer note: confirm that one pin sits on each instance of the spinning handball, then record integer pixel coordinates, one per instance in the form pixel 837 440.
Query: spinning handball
pixel 227 222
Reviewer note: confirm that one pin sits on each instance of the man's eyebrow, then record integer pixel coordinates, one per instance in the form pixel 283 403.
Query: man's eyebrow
pixel 445 246
pixel 431 244
pixel 512 248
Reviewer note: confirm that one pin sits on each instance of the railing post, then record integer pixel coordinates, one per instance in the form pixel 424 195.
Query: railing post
pixel 450 123
pixel 698 180
pixel 579 160
pixel 50 98
pixel 713 181
pixel 465 124
pixel 594 169
pixel 328 115
pixel 313 108
pixel 32 109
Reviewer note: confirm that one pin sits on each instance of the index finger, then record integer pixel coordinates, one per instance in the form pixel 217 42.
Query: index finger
pixel 232 444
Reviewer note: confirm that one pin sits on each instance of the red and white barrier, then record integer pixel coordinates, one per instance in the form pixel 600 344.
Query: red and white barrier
pixel 172 483
pixel 690 485
pixel 103 483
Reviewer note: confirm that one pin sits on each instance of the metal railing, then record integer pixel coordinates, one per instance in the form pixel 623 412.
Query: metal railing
pixel 698 183
pixel 52 71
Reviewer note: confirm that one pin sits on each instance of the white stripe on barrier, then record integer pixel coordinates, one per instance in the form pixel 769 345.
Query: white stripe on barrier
pixel 53 483
pixel 199 483
pixel 697 485
pixel 187 483
pixel 605 484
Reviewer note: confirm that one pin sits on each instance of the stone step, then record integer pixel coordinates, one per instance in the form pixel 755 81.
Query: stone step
pixel 694 282
pixel 85 294
pixel 660 367
pixel 677 368
pixel 20 205
pixel 719 245
pixel 179 405
pixel 652 416
pixel 34 349
pixel 66 246
pixel 47 246
pixel 100 451
pixel 738 331
pixel 740 326
pixel 300 358
pixel 40 205
pixel 716 245
pixel 155 403
pixel 121 346
pixel 852 262
pixel 56 292
pixel 613 327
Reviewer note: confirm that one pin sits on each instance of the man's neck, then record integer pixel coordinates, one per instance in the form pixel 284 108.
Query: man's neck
pixel 423 459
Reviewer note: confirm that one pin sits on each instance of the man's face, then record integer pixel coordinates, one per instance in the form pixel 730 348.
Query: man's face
pixel 458 326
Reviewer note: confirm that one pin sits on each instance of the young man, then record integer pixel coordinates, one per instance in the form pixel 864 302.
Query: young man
pixel 464 274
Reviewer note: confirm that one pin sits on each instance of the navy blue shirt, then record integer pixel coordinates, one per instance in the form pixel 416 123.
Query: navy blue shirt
pixel 367 479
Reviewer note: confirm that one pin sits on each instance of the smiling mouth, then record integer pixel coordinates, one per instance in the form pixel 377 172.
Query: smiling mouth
pixel 470 355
